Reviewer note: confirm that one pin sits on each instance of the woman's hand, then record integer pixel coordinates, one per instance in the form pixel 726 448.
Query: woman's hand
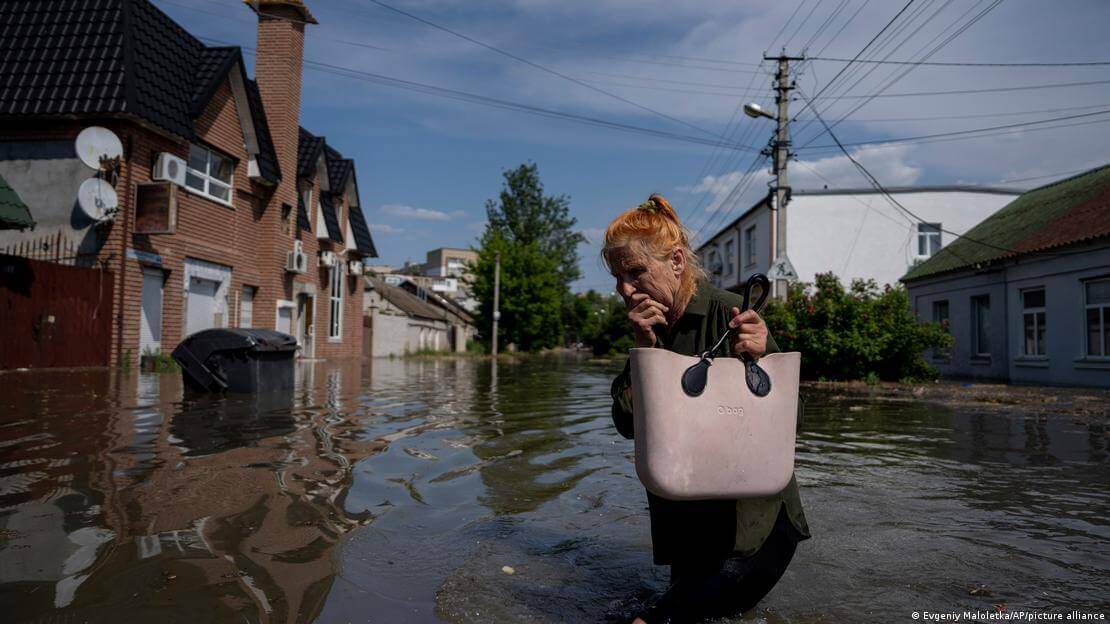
pixel 644 313
pixel 752 336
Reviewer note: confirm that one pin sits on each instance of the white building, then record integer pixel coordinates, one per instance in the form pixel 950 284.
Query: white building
pixel 853 233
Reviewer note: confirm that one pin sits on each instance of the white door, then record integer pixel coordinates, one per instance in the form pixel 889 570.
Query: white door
pixel 201 305
pixel 150 324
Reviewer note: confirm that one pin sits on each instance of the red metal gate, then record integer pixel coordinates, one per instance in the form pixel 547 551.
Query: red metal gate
pixel 53 315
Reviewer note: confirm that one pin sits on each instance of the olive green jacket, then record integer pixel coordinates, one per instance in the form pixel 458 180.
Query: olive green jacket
pixel 709 528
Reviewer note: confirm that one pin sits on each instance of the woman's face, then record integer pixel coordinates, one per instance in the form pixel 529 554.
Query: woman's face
pixel 658 279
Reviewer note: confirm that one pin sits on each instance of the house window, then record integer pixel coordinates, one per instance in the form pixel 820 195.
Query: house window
pixel 1097 302
pixel 1033 319
pixel 209 174
pixel 749 245
pixel 928 239
pixel 246 307
pixel 335 320
pixel 981 326
pixel 730 257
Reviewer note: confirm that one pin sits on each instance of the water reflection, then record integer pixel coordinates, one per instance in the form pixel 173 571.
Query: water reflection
pixel 402 491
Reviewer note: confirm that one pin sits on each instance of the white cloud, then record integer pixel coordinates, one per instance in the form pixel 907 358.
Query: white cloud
pixel 410 212
pixel 385 228
pixel 594 236
pixel 888 163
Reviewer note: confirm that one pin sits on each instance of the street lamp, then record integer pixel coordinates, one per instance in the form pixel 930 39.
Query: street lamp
pixel 755 111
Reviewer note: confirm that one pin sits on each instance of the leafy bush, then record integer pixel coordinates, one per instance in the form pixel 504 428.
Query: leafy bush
pixel 613 332
pixel 863 332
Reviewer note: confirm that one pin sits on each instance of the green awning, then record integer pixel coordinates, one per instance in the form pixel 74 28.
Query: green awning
pixel 13 212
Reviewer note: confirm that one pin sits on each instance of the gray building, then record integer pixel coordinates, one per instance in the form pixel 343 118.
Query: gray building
pixel 400 322
pixel 1026 293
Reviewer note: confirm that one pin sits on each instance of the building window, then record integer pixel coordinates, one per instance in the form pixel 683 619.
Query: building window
pixel 928 239
pixel 246 307
pixel 209 174
pixel 981 326
pixel 335 320
pixel 730 257
pixel 1033 320
pixel 1097 294
pixel 749 245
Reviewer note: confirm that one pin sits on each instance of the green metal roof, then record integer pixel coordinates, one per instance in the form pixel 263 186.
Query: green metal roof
pixel 1069 211
pixel 13 212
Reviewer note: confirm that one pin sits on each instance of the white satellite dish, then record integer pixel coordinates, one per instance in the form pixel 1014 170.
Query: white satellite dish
pixel 95 143
pixel 98 199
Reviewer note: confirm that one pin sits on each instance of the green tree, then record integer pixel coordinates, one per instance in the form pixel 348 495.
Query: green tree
pixel 539 259
pixel 855 333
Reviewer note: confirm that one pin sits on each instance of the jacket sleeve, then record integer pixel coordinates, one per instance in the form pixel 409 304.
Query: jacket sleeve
pixel 622 404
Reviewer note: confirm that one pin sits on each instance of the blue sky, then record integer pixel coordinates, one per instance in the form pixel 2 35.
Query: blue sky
pixel 427 164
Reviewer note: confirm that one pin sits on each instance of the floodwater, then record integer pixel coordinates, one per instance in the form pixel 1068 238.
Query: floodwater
pixel 447 490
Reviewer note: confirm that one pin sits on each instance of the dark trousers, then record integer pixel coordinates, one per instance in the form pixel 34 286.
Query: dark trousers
pixel 720 588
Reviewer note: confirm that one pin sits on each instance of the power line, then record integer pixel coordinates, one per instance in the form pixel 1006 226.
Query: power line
pixel 879 187
pixel 858 54
pixel 542 68
pixel 965 63
pixel 960 133
pixel 474 98
pixel 971 116
pixel 1032 87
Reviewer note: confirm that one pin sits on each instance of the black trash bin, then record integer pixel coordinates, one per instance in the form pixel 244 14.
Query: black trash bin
pixel 258 361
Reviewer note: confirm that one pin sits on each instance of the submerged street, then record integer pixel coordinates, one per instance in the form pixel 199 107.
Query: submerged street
pixel 461 490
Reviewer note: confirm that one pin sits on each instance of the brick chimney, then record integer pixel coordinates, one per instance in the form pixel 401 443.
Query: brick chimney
pixel 278 65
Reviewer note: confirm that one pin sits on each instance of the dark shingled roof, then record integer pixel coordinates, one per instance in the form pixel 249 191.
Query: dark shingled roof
pixel 111 57
pixel 1070 211
pixel 331 220
pixel 363 241
pixel 406 301
pixel 13 212
pixel 308 151
pixel 340 170
pixel 302 211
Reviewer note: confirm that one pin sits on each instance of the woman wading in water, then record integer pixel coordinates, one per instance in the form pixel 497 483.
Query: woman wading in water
pixel 725 555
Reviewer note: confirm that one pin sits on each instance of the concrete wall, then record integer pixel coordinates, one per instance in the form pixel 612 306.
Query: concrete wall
pixel 857 235
pixel 1062 277
pixel 397 333
pixel 864 236
pixel 47 174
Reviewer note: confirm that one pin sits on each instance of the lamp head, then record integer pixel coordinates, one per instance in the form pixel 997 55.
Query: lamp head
pixel 753 110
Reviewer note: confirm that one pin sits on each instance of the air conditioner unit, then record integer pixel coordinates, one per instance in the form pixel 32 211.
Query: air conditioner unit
pixel 354 267
pixel 296 261
pixel 327 258
pixel 169 167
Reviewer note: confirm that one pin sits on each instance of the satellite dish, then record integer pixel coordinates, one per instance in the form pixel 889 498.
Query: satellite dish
pixel 95 143
pixel 98 199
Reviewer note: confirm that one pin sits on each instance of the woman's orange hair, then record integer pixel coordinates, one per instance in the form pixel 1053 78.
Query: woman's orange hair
pixel 651 230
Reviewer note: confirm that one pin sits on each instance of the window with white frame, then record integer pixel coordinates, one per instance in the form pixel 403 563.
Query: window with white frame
pixel 209 174
pixel 1033 321
pixel 928 239
pixel 335 320
pixel 730 257
pixel 981 326
pixel 246 307
pixel 306 199
pixel 1097 303
pixel 749 245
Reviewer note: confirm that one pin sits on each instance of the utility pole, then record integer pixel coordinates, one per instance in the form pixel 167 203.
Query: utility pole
pixel 781 156
pixel 496 299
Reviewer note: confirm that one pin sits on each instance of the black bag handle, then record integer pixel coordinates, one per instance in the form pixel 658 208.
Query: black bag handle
pixel 759 382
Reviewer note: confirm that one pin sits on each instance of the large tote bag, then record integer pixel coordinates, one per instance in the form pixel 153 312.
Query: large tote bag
pixel 711 427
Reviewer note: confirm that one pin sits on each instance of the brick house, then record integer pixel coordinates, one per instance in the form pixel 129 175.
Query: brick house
pixel 258 188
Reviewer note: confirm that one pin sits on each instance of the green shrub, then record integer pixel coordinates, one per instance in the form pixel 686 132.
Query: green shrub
pixel 863 332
